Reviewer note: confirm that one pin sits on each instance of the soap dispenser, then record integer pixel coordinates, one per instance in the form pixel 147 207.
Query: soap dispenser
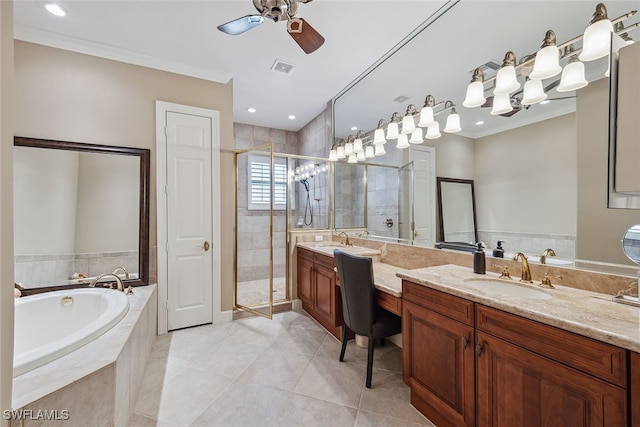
pixel 499 251
pixel 479 263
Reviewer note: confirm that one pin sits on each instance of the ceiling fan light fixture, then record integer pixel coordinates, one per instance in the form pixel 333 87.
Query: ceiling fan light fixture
pixel 596 41
pixel 506 80
pixel 547 62
pixel 501 104
pixel 475 90
pixel 572 76
pixel 533 92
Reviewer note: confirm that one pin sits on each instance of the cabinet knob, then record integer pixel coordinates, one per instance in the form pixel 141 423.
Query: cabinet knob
pixel 465 341
pixel 479 349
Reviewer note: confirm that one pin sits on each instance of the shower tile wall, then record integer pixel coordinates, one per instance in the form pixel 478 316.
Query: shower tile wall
pixel 253 225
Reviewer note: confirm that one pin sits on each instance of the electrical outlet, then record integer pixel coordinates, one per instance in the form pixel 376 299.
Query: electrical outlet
pixel 319 238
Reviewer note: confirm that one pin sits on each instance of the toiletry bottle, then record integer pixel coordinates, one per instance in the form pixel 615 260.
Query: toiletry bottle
pixel 479 264
pixel 499 251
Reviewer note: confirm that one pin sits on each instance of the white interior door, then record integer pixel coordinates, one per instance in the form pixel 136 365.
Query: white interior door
pixel 189 226
pixel 424 195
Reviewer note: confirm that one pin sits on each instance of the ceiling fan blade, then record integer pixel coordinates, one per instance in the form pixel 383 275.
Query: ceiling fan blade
pixel 240 25
pixel 510 113
pixel 305 35
pixel 488 102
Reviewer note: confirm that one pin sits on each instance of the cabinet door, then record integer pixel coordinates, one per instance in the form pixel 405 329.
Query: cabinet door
pixel 516 387
pixel 438 365
pixel 325 291
pixel 305 280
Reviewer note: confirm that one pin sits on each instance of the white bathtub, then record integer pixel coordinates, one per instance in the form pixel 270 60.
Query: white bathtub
pixel 52 324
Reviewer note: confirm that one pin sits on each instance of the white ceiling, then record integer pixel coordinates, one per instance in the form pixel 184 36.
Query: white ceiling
pixel 181 36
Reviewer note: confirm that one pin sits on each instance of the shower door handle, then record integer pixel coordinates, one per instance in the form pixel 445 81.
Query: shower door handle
pixel 205 246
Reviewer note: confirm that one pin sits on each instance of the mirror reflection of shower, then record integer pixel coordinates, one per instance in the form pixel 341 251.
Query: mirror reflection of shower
pixel 313 179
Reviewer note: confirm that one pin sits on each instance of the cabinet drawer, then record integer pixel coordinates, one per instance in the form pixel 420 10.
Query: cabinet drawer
pixel 601 360
pixel 305 253
pixel 324 260
pixel 448 305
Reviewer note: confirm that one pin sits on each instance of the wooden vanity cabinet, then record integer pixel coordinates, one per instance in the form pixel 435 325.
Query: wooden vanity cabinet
pixel 318 291
pixel 512 372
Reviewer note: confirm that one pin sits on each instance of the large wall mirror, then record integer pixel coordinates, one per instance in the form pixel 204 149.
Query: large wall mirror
pixel 80 210
pixel 528 179
pixel 456 211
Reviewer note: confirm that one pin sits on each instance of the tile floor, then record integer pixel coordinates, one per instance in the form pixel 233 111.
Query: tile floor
pixel 280 372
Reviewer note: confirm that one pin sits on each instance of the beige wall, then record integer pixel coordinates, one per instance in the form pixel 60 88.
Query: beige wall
pixel 600 230
pixel 6 205
pixel 74 97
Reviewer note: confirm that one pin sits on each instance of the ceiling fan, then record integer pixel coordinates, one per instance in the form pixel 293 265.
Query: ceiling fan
pixel 299 29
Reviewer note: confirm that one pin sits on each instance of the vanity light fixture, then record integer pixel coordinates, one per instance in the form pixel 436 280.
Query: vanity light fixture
pixel 506 80
pixel 547 62
pixel 55 9
pixel 408 125
pixel 475 90
pixel 360 156
pixel 378 135
pixel 426 114
pixel 572 76
pixel 416 136
pixel 453 119
pixel 433 131
pixel 379 150
pixel 501 104
pixel 392 129
pixel 369 152
pixel 340 151
pixel 596 41
pixel 333 153
pixel 403 141
pixel 352 158
pixel 533 92
pixel 348 147
pixel 357 143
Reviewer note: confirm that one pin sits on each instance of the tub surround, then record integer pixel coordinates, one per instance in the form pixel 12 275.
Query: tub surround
pixel 99 382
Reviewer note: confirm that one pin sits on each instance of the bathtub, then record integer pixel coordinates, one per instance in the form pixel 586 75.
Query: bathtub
pixel 52 324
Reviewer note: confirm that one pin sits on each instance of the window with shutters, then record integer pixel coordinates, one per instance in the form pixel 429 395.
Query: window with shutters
pixel 260 183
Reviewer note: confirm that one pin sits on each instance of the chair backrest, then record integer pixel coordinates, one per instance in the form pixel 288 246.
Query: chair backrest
pixel 357 290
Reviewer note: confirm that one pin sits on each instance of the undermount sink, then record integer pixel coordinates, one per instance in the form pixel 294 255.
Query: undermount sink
pixel 507 288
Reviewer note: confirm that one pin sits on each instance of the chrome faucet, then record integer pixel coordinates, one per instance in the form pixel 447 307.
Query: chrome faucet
pixel 545 254
pixel 120 285
pixel 364 234
pixel 124 270
pixel 346 238
pixel 525 277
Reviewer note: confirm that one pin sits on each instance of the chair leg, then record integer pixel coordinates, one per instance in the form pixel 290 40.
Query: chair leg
pixel 345 338
pixel 370 361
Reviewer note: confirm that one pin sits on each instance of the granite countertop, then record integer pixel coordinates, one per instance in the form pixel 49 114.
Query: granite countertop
pixel 384 275
pixel 586 313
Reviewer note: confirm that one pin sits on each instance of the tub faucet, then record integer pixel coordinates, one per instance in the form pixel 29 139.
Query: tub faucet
pixel 346 238
pixel 545 254
pixel 525 277
pixel 124 270
pixel 118 281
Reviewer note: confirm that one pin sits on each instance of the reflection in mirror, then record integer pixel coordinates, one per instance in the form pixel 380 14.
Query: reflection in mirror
pixel 631 243
pixel 457 210
pixel 80 210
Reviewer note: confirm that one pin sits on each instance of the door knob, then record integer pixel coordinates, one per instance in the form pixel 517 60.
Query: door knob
pixel 206 246
pixel 415 234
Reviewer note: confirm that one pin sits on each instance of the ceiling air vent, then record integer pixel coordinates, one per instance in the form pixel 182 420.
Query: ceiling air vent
pixel 401 99
pixel 281 67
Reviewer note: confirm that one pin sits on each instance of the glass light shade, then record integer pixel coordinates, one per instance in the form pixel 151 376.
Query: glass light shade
pixel 596 41
pixel 501 104
pixel 348 149
pixel 360 156
pixel 378 137
pixel 357 146
pixel 475 95
pixel 533 92
pixel 547 63
pixel 506 81
pixel 333 155
pixel 403 141
pixel 392 131
pixel 379 151
pixel 408 125
pixel 416 136
pixel 352 158
pixel 368 152
pixel 453 123
pixel 340 152
pixel 572 77
pixel 433 131
pixel 426 117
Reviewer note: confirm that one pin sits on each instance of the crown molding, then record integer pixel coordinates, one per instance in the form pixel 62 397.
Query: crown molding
pixel 32 35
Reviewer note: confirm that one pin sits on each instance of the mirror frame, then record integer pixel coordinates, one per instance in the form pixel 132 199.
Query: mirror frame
pixel 144 155
pixel 440 232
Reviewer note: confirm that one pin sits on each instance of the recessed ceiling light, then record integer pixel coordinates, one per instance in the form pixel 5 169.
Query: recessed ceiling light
pixel 251 110
pixel 354 128
pixel 55 9
pixel 292 117
pixel 546 101
pixel 479 122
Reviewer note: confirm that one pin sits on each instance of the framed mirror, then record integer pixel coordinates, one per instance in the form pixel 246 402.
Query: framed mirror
pixel 80 210
pixel 456 211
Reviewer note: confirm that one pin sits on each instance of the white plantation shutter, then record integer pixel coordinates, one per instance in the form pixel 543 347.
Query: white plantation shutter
pixel 260 183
